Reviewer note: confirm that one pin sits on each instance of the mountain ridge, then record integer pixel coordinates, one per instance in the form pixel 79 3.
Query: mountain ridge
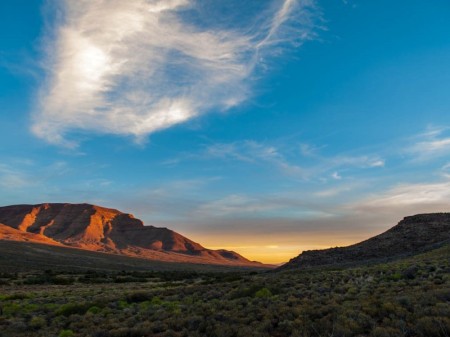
pixel 109 230
pixel 414 234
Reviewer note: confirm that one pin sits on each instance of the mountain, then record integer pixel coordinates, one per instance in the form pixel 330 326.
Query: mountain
pixel 107 230
pixel 412 235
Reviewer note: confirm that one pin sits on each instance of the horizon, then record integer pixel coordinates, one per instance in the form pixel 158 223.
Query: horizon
pixel 220 246
pixel 264 128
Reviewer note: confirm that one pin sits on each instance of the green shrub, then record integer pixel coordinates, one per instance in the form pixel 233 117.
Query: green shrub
pixel 263 293
pixel 66 333
pixel 396 277
pixel 11 309
pixel 18 296
pixel 37 322
pixel 94 310
pixel 156 301
pixel 73 308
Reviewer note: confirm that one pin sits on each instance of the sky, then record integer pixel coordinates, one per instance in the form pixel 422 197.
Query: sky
pixel 266 127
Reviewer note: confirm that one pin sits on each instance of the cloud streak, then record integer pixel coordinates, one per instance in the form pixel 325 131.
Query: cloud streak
pixel 410 198
pixel 433 143
pixel 11 178
pixel 254 152
pixel 137 67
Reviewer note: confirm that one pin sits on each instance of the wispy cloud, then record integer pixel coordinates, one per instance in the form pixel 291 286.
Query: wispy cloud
pixel 233 205
pixel 339 190
pixel 356 161
pixel 336 175
pixel 386 207
pixel 25 174
pixel 136 67
pixel 11 178
pixel 255 207
pixel 431 144
pixel 254 152
pixel 413 196
pixel 293 165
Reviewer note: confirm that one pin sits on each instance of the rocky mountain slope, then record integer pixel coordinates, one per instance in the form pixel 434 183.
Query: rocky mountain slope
pixel 107 230
pixel 412 235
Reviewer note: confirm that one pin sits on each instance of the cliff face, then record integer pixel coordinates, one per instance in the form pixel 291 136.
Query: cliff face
pixel 414 234
pixel 97 228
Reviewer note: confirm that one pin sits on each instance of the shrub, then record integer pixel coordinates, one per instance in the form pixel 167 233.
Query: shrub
pixel 138 297
pixel 73 308
pixel 263 293
pixel 37 322
pixel 62 280
pixel 18 296
pixel 94 310
pixel 380 332
pixel 410 273
pixel 66 333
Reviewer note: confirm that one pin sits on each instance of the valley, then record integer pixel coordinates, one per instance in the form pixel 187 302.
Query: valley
pixel 394 284
pixel 407 297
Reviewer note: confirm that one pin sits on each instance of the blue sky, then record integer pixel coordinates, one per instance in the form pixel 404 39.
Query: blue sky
pixel 265 127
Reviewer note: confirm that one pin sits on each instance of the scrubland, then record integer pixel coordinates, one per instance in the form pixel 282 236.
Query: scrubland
pixel 409 297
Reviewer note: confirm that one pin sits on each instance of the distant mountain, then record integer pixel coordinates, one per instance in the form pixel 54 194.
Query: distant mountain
pixel 107 230
pixel 412 235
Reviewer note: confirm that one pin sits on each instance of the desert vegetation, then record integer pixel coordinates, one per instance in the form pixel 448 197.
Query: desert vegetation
pixel 409 297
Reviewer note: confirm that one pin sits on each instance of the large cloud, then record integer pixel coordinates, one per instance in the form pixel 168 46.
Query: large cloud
pixel 136 67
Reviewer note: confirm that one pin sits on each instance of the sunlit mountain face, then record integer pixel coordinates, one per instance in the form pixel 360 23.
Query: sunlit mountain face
pixel 263 127
pixel 99 229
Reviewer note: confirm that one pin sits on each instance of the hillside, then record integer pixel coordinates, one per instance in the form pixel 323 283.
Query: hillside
pixel 100 229
pixel 412 235
pixel 31 257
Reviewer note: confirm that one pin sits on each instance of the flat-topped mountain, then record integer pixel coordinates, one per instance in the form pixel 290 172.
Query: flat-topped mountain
pixel 412 235
pixel 107 230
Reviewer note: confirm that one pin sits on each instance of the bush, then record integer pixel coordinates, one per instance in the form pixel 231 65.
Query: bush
pixel 410 273
pixel 18 296
pixel 73 308
pixel 138 297
pixel 62 280
pixel 66 333
pixel 94 310
pixel 263 293
pixel 37 322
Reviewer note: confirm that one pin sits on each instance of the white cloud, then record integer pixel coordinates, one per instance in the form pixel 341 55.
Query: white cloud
pixel 377 163
pixel 429 147
pixel 235 151
pixel 409 198
pixel 356 161
pixel 334 191
pixel 335 175
pixel 309 150
pixel 23 174
pixel 233 205
pixel 433 143
pixel 11 178
pixel 276 206
pixel 445 171
pixel 136 67
pixel 321 165
pixel 303 163
pixel 254 152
